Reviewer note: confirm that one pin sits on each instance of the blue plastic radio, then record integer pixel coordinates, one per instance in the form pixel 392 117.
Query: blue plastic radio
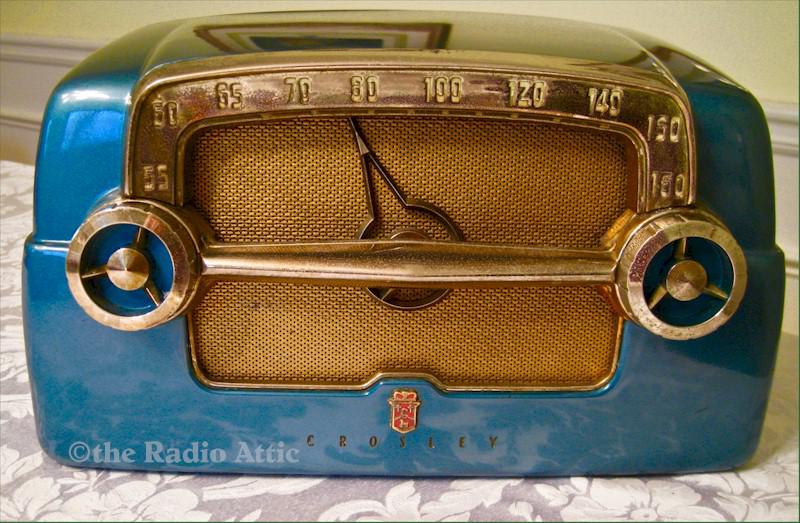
pixel 401 243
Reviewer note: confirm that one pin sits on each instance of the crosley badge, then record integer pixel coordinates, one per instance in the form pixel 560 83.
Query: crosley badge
pixel 403 406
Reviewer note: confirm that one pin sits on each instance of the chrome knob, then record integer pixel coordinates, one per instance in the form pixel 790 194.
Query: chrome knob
pixel 144 291
pixel 665 268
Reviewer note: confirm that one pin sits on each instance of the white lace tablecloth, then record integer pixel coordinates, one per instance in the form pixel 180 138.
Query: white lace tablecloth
pixel 33 487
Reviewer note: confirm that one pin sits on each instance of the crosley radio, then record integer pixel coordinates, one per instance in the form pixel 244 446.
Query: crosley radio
pixel 401 243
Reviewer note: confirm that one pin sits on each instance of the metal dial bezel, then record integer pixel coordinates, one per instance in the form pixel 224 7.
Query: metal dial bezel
pixel 261 82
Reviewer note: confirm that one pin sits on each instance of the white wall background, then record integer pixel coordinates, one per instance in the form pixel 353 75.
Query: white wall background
pixel 755 42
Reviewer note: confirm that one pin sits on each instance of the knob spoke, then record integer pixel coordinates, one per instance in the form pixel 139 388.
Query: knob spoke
pixel 94 272
pixel 140 241
pixel 715 292
pixel 680 249
pixel 153 291
pixel 657 296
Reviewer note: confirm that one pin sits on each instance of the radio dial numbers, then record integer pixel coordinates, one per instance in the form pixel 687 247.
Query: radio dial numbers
pixel 299 89
pixel 527 93
pixel 444 89
pixel 165 114
pixel 155 178
pixel 605 101
pixel 229 95
pixel 663 128
pixel 364 88
pixel 667 186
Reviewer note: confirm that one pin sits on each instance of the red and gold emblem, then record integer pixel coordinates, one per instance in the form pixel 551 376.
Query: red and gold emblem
pixel 403 405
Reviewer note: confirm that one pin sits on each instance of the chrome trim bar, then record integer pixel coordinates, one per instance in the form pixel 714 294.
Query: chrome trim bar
pixel 408 263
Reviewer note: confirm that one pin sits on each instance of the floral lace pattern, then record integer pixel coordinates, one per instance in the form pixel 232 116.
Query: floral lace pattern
pixel 34 487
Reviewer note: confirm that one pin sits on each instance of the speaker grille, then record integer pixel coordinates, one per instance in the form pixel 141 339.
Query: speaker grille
pixel 298 335
pixel 517 182
pixel 520 182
